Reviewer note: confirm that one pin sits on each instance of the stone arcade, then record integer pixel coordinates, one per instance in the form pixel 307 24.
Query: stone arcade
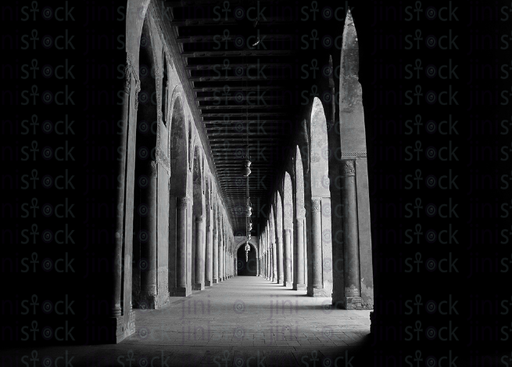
pixel 196 88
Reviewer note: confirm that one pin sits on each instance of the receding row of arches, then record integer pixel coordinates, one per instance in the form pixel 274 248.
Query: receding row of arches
pixel 174 234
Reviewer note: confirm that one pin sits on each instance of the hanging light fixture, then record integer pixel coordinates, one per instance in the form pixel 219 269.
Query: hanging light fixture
pixel 247 172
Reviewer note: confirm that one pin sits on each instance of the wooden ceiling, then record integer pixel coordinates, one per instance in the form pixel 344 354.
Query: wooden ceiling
pixel 243 72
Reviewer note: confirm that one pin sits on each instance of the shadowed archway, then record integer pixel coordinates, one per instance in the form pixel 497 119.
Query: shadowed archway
pixel 246 268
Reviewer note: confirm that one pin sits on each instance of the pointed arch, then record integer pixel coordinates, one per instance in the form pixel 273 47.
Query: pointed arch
pixel 279 237
pixel 318 151
pixel 198 223
pixel 300 268
pixel 179 203
pixel 144 287
pixel 248 268
pixel 272 243
pixel 318 200
pixel 288 209
pixel 178 148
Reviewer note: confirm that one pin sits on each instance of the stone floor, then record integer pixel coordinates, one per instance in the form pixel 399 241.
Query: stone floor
pixel 244 321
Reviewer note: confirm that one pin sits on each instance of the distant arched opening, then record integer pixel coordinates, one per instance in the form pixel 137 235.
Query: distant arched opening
pixel 246 268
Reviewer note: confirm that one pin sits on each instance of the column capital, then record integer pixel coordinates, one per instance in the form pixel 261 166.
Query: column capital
pixel 183 201
pixel 301 213
pixel 349 169
pixel 158 72
pixel 130 74
pixel 154 169
pixel 315 205
pixel 163 160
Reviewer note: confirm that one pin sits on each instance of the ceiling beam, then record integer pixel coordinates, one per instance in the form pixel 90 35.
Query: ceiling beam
pixel 227 79
pixel 232 38
pixel 249 107
pixel 245 53
pixel 201 22
pixel 258 88
pixel 234 114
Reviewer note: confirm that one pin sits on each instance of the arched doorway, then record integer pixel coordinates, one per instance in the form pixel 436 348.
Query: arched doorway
pixel 144 288
pixel 179 203
pixel 246 268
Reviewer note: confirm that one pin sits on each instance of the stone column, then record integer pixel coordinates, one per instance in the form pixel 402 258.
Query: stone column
pixel 265 258
pixel 357 290
pixel 274 262
pixel 287 258
pixel 316 243
pixel 269 259
pixel 351 257
pixel 262 265
pixel 224 261
pixel 183 204
pixel 148 276
pixel 215 249
pixel 200 252
pixel 280 260
pixel 300 280
pixel 189 244
pixel 228 264
pixel 209 255
pixel 269 262
pixel 121 204
pixel 221 260
pixel 220 257
pixel 258 263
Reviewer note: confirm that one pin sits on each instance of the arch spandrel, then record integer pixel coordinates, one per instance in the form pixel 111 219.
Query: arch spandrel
pixel 299 185
pixel 288 207
pixel 318 150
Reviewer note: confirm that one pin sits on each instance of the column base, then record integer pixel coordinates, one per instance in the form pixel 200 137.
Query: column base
pixel 207 283
pixel 124 330
pixel 215 281
pixel 145 302
pixel 372 323
pixel 299 287
pixel 198 287
pixel 318 292
pixel 288 284
pixel 180 292
pixel 353 303
pixel 162 300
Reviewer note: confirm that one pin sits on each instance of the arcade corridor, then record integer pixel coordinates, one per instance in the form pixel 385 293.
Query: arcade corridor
pixel 226 325
pixel 256 183
pixel 203 179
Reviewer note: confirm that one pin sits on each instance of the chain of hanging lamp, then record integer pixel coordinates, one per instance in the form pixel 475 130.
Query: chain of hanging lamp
pixel 247 172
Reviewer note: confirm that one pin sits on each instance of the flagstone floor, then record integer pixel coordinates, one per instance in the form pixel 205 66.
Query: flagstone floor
pixel 244 321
